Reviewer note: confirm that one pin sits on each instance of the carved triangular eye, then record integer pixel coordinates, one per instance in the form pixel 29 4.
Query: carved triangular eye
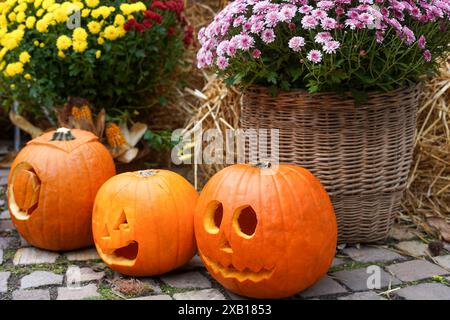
pixel 122 222
pixel 105 232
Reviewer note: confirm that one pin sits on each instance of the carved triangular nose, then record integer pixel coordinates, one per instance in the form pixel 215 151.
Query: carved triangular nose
pixel 225 245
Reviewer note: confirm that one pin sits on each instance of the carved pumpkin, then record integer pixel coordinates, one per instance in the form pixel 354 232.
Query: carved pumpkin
pixel 52 186
pixel 265 232
pixel 143 222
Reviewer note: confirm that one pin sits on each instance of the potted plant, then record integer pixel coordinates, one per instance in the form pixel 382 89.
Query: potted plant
pixel 119 55
pixel 341 81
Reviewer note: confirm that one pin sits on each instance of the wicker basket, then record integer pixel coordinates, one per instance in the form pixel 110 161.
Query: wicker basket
pixel 361 154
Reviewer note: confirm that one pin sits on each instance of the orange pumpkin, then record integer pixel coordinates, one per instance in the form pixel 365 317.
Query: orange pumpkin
pixel 265 232
pixel 143 222
pixel 52 186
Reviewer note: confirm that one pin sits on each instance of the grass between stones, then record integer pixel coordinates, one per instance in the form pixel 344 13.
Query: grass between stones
pixel 165 288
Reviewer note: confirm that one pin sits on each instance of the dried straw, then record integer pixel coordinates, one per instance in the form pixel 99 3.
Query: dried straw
pixel 428 190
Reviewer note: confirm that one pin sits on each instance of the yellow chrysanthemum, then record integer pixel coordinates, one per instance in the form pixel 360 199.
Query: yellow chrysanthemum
pixel 39 13
pixel 36 43
pixel 47 3
pixel 120 32
pixel 61 54
pixel 2 53
pixel 37 3
pixel 119 20
pixel 79 46
pixel 92 3
pixel 30 22
pixel 21 27
pixel 12 39
pixel 12 16
pixel 27 76
pixel 60 15
pixel 100 41
pixel 2 65
pixel 98 54
pixel 63 43
pixel 13 69
pixel 41 45
pixel 102 11
pixel 129 8
pixel 21 7
pixel 53 7
pixel 42 26
pixel 111 33
pixel 79 34
pixel 20 17
pixel 24 57
pixel 94 27
pixel 79 5
pixel 85 13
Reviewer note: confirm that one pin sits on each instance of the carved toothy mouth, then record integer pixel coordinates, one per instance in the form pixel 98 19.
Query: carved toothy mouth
pixel 123 256
pixel 231 272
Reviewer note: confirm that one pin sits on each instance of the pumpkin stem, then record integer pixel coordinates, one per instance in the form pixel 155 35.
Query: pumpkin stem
pixel 62 134
pixel 262 165
pixel 147 173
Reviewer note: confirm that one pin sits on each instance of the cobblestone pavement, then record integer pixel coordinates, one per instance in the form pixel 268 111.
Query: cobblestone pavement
pixel 400 268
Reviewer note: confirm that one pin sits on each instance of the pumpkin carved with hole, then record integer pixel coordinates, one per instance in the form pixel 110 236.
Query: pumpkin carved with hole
pixel 143 222
pixel 52 186
pixel 265 232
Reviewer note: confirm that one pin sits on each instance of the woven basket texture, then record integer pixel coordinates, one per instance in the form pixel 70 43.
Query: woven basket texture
pixel 361 153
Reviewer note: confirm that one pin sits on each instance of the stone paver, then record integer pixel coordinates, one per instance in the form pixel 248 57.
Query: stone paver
pixel 360 279
pixel 207 294
pixel 155 297
pixel 1 257
pixel 187 280
pixel 194 263
pixel 26 256
pixel 5 215
pixel 401 233
pixel 372 254
pixel 366 295
pixel 6 225
pixel 156 289
pixel 38 294
pixel 82 255
pixel 444 261
pixel 76 274
pixel 5 242
pixel 4 276
pixel 447 246
pixel 425 291
pixel 88 291
pixel 24 243
pixel 325 286
pixel 413 248
pixel 39 279
pixel 337 262
pixel 415 270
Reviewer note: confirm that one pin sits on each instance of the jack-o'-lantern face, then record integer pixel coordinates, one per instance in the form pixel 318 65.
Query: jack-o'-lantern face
pixel 143 222
pixel 52 185
pixel 117 242
pixel 265 235
pixel 24 190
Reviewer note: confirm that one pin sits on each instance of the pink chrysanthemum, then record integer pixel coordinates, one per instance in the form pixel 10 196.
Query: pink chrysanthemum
pixel 222 63
pixel 268 36
pixel 315 56
pixel 331 46
pixel 296 43
pixel 323 37
pixel 309 22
